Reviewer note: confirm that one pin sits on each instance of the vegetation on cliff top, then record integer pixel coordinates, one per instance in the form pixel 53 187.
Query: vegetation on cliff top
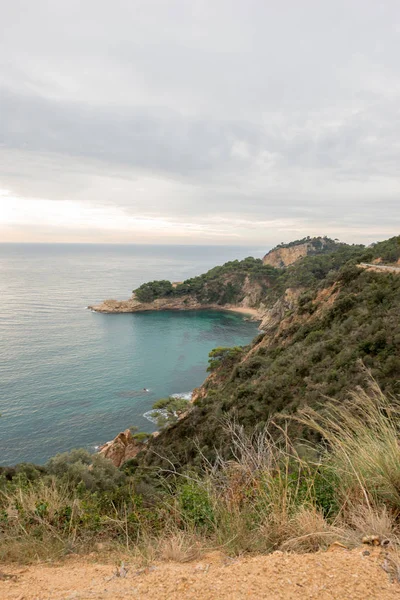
pixel 221 285
pixel 321 244
pixel 231 282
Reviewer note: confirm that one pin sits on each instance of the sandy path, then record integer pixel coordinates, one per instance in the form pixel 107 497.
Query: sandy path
pixel 341 575
pixel 380 268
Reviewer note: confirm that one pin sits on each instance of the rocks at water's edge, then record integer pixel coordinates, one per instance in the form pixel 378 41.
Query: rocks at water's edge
pixel 134 305
pixel 182 303
pixel 121 448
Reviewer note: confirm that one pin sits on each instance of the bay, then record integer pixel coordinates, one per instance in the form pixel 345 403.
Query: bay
pixel 72 378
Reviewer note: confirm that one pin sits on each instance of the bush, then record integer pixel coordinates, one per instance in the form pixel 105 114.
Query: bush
pixel 80 468
pixel 154 289
pixel 195 505
pixel 223 356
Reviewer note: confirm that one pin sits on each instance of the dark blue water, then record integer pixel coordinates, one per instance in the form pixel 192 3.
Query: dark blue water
pixel 72 378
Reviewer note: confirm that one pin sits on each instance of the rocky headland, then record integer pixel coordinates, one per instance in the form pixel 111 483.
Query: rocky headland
pixel 239 286
pixel 133 305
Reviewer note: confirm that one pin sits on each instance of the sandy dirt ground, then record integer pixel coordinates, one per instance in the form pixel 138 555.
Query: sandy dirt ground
pixel 340 575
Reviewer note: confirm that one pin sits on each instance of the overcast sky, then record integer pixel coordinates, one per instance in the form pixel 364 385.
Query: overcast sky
pixel 199 121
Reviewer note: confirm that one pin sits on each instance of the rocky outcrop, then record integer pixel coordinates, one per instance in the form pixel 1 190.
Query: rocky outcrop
pixel 283 256
pixel 133 305
pixel 182 303
pixel 121 448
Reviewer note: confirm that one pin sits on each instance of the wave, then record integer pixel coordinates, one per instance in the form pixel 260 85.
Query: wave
pixel 149 414
pixel 184 396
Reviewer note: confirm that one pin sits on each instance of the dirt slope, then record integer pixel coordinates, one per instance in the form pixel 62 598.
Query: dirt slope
pixel 341 575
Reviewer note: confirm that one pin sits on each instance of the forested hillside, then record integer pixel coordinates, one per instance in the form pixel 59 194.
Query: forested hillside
pixel 226 284
pixel 233 281
pixel 344 319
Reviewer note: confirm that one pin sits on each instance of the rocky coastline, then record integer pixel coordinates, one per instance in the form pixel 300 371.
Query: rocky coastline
pixel 132 305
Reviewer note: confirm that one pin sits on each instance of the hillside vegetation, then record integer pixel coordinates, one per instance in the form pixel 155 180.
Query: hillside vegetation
pixel 291 443
pixel 235 280
pixel 221 285
pixel 343 318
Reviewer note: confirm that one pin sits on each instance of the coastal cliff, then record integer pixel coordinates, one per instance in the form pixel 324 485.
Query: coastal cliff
pixel 324 321
pixel 237 285
pixel 257 462
pixel 285 255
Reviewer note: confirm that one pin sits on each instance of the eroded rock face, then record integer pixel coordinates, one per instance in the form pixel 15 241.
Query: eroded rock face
pixel 121 448
pixel 285 256
pixel 274 315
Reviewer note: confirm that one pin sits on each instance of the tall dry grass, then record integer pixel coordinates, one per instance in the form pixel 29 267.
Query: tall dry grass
pixel 264 497
pixel 362 437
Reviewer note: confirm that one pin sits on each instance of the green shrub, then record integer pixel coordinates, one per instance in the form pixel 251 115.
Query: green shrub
pixel 85 470
pixel 195 505
pixel 223 356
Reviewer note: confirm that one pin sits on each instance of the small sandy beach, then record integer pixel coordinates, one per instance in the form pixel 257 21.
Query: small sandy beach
pixel 252 312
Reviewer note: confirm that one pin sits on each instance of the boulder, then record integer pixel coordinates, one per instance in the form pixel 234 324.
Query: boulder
pixel 121 448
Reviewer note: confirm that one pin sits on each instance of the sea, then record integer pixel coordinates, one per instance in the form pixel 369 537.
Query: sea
pixel 72 378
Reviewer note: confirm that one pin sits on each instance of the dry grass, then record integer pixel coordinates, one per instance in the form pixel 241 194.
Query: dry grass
pixel 364 451
pixel 179 546
pixel 309 531
pixel 264 497
pixel 364 520
pixel 27 549
pixel 29 498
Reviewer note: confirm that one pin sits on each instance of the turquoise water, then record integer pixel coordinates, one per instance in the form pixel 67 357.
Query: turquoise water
pixel 72 378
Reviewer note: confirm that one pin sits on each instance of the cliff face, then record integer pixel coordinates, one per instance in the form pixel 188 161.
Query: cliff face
pixel 283 256
pixel 271 317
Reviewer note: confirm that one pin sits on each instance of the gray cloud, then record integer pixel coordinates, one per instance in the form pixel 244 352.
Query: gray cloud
pixel 227 113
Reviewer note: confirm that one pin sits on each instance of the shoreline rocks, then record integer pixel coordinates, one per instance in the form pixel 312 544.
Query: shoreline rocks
pixel 122 448
pixel 133 305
